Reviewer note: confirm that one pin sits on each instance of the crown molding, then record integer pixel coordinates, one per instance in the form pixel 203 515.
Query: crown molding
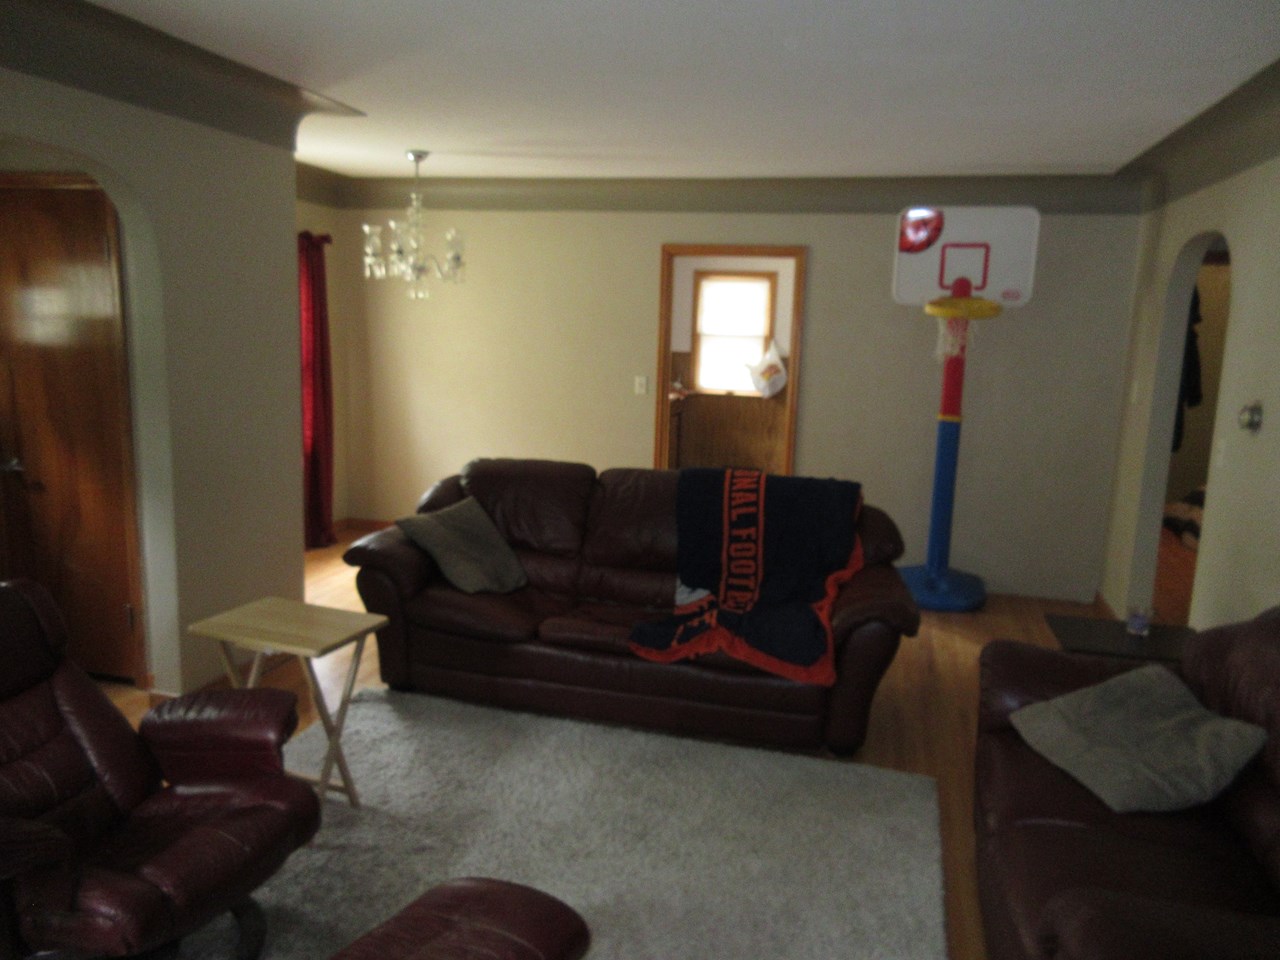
pixel 1238 132
pixel 1063 194
pixel 75 43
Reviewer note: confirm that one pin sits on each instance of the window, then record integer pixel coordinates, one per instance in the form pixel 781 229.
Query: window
pixel 733 324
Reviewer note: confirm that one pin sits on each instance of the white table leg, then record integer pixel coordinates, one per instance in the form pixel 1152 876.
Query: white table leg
pixel 255 670
pixel 333 727
pixel 228 664
pixel 233 674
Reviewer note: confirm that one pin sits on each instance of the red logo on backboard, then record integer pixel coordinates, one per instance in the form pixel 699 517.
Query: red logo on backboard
pixel 919 229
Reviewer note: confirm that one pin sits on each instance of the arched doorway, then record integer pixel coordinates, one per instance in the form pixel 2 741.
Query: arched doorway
pixel 1162 580
pixel 1194 417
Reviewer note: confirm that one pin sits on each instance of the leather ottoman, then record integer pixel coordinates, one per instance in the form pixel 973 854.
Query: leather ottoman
pixel 477 917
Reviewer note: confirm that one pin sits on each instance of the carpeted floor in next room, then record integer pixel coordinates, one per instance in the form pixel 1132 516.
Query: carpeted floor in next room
pixel 923 719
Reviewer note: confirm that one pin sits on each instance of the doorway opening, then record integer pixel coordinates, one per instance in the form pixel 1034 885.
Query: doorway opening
pixel 722 308
pixel 1208 304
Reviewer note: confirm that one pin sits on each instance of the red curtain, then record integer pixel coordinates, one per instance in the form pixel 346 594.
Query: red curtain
pixel 317 392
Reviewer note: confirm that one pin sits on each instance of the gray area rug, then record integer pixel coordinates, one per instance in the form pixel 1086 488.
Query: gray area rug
pixel 669 847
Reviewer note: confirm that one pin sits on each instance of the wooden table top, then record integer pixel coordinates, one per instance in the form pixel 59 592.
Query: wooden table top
pixel 276 625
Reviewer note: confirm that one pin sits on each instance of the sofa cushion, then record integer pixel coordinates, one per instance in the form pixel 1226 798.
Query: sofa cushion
pixel 504 617
pixel 629 554
pixel 1032 863
pixel 632 523
pixel 606 628
pixel 628 586
pixel 1140 741
pixel 597 627
pixel 1014 785
pixel 536 504
pixel 467 547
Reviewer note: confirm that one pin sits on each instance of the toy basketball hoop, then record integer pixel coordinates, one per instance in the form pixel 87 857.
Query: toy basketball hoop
pixel 960 264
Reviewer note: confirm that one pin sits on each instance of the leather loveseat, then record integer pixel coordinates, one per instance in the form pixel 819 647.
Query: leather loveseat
pixel 1061 875
pixel 599 552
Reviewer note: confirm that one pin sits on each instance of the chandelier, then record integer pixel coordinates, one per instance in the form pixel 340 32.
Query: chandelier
pixel 404 255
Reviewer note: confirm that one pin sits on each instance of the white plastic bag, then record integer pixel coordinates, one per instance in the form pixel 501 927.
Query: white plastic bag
pixel 769 375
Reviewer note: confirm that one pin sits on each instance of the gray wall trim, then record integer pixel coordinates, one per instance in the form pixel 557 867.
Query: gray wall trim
pixel 1239 132
pixel 1075 194
pixel 324 187
pixel 75 43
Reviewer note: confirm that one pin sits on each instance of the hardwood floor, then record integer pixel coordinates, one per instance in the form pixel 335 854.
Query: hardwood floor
pixel 1175 578
pixel 924 717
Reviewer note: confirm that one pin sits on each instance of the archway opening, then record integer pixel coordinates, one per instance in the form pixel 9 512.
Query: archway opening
pixel 1195 411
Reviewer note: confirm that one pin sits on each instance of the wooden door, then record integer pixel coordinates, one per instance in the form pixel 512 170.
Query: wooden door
pixel 66 464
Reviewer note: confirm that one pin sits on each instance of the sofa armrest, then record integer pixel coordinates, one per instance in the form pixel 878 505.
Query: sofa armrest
pixel 1013 674
pixel 881 538
pixel 388 551
pixel 875 593
pixel 220 734
pixel 870 614
pixel 28 844
pixel 1092 924
pixel 393 570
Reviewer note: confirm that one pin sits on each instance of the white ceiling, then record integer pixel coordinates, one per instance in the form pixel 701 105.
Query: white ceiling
pixel 737 88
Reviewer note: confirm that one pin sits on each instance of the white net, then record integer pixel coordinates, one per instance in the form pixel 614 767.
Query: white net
pixel 954 334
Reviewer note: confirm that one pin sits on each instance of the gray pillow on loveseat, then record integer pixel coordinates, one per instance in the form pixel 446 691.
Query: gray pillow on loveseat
pixel 1140 741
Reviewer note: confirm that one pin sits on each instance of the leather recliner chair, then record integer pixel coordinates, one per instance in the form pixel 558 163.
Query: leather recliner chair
pixel 115 842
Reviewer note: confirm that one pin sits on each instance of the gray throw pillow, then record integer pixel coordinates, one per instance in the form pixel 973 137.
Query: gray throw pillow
pixel 467 547
pixel 1140 741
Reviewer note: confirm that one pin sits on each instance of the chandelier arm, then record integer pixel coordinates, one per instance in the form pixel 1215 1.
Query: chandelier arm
pixel 404 255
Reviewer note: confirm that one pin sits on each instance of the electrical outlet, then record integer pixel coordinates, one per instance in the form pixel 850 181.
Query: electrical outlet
pixel 641 385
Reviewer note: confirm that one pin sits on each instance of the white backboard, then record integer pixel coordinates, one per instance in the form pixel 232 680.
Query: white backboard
pixel 993 247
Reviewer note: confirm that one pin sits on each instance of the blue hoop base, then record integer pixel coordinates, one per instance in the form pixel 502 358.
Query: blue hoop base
pixel 949 591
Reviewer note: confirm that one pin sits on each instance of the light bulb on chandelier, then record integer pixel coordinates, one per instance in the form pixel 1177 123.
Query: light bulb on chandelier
pixel 406 256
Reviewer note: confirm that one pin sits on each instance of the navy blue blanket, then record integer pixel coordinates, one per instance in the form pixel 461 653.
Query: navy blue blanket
pixel 771 551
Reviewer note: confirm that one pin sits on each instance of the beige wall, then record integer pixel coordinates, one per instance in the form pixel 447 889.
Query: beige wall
pixel 1239 559
pixel 211 322
pixel 536 354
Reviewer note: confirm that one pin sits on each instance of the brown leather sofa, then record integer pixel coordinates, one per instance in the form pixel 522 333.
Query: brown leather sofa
pixel 599 552
pixel 1062 876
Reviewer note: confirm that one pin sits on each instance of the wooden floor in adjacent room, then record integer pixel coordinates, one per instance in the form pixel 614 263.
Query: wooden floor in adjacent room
pixel 924 717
